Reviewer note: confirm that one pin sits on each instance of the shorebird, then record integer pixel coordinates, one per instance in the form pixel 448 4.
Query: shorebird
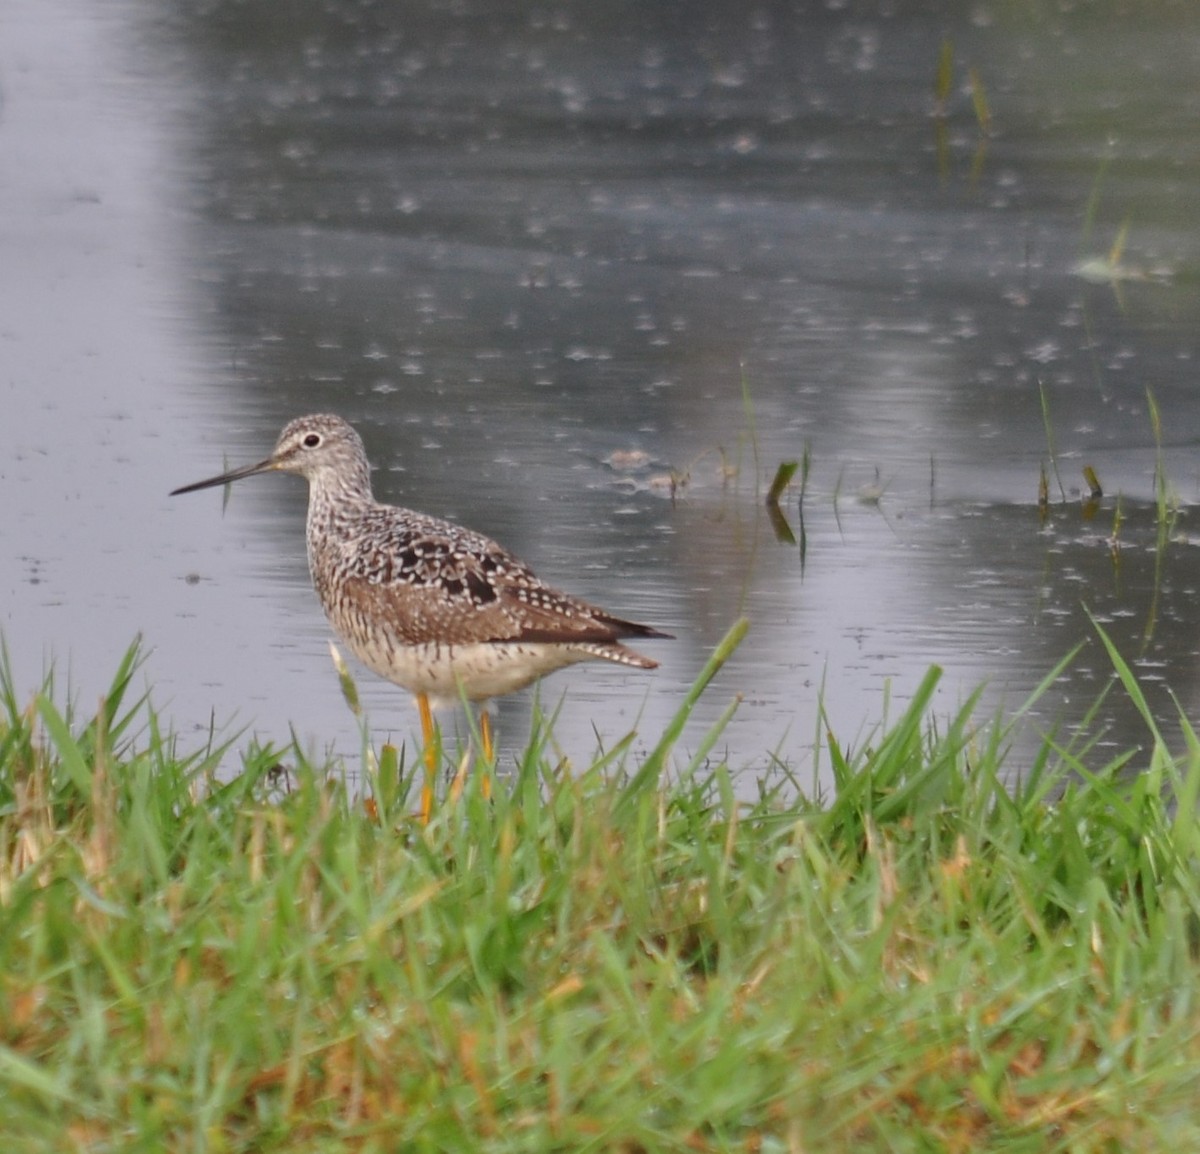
pixel 436 608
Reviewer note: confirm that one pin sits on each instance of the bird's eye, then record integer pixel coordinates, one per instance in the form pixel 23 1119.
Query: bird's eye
pixel 312 440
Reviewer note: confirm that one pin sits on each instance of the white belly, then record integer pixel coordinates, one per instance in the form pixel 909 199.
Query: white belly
pixel 478 671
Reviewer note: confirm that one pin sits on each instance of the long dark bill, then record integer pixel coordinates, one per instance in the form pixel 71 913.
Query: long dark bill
pixel 226 478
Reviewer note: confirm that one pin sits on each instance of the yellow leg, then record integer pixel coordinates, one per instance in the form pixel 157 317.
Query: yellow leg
pixel 489 752
pixel 431 756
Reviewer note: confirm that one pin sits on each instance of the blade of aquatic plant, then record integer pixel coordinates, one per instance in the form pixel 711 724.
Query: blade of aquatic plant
pixel 1118 245
pixel 783 477
pixel 1155 428
pixel 1093 200
pixel 1161 493
pixel 1165 506
pixel 779 526
pixel 1166 511
pixel 1050 438
pixel 646 778
pixel 837 491
pixel 979 101
pixel 1114 540
pixel 748 413
pixel 779 522
pixel 805 467
pixel 226 489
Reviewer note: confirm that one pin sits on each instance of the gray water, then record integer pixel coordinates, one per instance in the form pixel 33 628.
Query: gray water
pixel 509 242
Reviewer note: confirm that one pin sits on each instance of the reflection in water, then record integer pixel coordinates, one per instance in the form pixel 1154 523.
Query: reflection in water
pixel 512 246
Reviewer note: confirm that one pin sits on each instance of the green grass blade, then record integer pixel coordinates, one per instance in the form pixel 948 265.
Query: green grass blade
pixel 69 752
pixel 646 778
pixel 1127 679
pixel 20 1071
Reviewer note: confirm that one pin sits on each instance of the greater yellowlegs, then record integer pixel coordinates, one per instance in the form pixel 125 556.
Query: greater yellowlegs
pixel 438 609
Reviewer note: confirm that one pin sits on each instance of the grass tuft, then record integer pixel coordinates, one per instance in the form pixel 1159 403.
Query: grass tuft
pixel 950 954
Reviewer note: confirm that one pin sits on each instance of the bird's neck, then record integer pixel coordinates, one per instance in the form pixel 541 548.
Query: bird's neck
pixel 333 498
pixel 349 484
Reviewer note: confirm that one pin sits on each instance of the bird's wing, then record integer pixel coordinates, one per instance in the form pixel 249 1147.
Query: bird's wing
pixel 430 580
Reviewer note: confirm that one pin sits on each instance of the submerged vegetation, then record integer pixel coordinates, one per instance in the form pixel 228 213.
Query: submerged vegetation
pixel 950 954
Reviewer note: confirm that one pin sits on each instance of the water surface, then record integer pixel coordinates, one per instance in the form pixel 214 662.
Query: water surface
pixel 509 243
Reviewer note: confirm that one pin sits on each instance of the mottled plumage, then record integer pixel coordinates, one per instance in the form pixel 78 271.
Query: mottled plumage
pixel 425 603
